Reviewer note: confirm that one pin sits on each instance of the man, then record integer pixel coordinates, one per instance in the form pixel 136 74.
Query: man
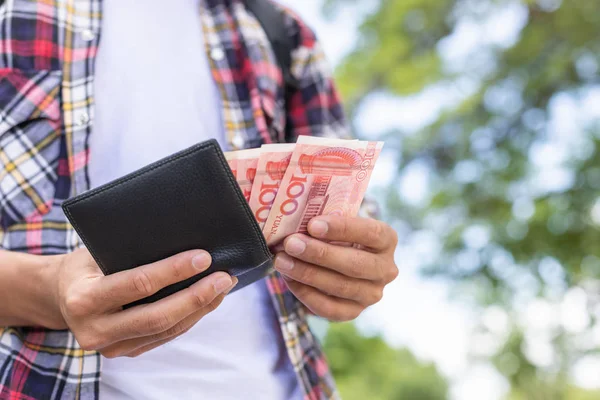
pixel 91 90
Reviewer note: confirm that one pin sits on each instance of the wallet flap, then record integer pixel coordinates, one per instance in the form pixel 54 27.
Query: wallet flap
pixel 187 201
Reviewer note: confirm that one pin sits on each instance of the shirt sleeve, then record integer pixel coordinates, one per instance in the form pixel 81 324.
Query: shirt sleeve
pixel 313 107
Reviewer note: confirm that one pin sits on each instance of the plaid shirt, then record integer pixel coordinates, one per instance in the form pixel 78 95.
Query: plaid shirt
pixel 47 54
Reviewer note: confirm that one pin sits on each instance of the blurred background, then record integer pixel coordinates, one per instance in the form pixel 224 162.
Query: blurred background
pixel 490 110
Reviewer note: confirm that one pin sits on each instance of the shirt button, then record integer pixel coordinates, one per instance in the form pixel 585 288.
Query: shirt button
pixel 217 54
pixel 292 328
pixel 83 119
pixel 238 141
pixel 88 35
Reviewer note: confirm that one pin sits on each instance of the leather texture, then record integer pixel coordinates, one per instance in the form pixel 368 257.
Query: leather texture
pixel 187 201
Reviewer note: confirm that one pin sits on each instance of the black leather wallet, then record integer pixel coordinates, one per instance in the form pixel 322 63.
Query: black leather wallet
pixel 189 200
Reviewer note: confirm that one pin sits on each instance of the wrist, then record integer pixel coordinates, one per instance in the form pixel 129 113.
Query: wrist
pixel 49 274
pixel 30 292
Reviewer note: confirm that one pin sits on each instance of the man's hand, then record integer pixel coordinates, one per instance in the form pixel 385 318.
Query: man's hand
pixel 91 303
pixel 335 281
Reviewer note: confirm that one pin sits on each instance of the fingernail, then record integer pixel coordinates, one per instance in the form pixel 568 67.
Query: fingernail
pixel 295 246
pixel 222 284
pixel 201 261
pixel 284 263
pixel 234 284
pixel 319 228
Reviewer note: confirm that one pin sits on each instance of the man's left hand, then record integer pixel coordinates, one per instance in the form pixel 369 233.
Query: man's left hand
pixel 338 281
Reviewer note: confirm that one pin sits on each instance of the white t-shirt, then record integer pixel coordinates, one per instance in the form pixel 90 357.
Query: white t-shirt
pixel 154 95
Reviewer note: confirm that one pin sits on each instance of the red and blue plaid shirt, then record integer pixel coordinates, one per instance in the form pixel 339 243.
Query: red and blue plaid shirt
pixel 47 55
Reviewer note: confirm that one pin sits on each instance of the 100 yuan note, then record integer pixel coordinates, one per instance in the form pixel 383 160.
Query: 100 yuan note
pixel 243 164
pixel 272 165
pixel 324 177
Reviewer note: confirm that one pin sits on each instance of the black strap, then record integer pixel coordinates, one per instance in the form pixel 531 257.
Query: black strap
pixel 273 23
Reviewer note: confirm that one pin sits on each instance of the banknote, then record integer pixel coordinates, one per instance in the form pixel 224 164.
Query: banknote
pixel 243 164
pixel 324 177
pixel 272 165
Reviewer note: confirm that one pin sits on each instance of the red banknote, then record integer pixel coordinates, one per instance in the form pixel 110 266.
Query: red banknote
pixel 272 165
pixel 324 177
pixel 243 164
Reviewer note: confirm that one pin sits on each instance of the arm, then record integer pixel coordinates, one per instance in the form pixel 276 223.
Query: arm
pixel 70 291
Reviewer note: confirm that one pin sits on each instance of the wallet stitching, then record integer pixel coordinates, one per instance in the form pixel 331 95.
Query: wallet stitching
pixel 232 184
pixel 259 266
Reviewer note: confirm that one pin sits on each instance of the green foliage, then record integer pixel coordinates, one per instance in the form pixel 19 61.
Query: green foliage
pixel 541 238
pixel 368 368
pixel 392 54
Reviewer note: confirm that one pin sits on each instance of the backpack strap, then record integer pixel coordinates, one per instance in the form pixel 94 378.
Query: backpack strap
pixel 273 23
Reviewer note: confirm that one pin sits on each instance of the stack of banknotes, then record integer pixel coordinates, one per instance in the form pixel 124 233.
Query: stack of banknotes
pixel 287 185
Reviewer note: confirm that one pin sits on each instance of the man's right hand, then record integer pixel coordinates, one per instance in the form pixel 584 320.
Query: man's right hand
pixel 91 303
